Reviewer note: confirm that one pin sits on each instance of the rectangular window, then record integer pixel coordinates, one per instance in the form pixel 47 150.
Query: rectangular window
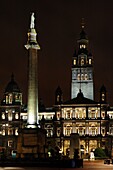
pixel 68 114
pixel 10 115
pixel 10 98
pixel 80 131
pixel 68 131
pixel 7 100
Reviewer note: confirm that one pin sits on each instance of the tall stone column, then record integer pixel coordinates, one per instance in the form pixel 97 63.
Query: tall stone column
pixel 32 139
pixel 32 47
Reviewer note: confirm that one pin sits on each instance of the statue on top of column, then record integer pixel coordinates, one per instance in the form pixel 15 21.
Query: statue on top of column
pixel 32 20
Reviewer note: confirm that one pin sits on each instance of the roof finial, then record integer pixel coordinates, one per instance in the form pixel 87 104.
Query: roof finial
pixel 82 23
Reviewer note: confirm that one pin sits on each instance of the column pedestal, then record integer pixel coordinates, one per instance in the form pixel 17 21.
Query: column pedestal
pixel 31 143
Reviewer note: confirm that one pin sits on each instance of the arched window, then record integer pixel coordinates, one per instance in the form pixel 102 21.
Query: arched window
pixel 58 98
pixel 82 77
pixel 10 98
pixel 7 99
pixel 16 116
pixel 3 115
pixel 86 77
pixel 82 61
pixel 90 61
pixel 74 62
pixel 16 131
pixel 78 76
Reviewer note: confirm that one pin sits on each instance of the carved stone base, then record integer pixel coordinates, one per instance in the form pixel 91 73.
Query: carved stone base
pixel 31 143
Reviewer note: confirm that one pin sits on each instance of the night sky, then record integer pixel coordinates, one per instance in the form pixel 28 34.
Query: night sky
pixel 58 23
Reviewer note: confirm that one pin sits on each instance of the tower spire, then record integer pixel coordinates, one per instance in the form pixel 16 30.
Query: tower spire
pixel 82 68
pixel 82 23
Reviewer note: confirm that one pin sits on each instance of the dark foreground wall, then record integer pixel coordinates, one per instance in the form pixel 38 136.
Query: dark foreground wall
pixel 71 163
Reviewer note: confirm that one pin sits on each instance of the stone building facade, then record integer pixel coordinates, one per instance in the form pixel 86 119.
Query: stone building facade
pixel 80 121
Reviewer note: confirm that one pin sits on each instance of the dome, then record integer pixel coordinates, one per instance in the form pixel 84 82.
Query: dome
pixel 12 86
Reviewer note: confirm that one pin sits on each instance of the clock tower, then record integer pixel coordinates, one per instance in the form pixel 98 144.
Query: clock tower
pixel 82 69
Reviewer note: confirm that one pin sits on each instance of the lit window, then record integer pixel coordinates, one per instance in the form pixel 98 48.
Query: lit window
pixel 58 132
pixel 80 113
pixel 49 132
pixel 81 131
pixel 93 131
pixel 10 143
pixel 16 131
pixel 58 97
pixel 103 114
pixel 86 77
pixel 10 131
pixel 103 96
pixel 93 115
pixel 82 46
pixel 74 62
pixel 82 77
pixel 68 115
pixel 10 115
pixel 58 116
pixel 103 132
pixel 3 132
pixel 10 98
pixel 90 61
pixel 3 115
pixel 78 76
pixel 24 117
pixel 13 111
pixel 16 97
pixel 16 116
pixel 20 98
pixel 7 100
pixel 68 131
pixel 82 61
